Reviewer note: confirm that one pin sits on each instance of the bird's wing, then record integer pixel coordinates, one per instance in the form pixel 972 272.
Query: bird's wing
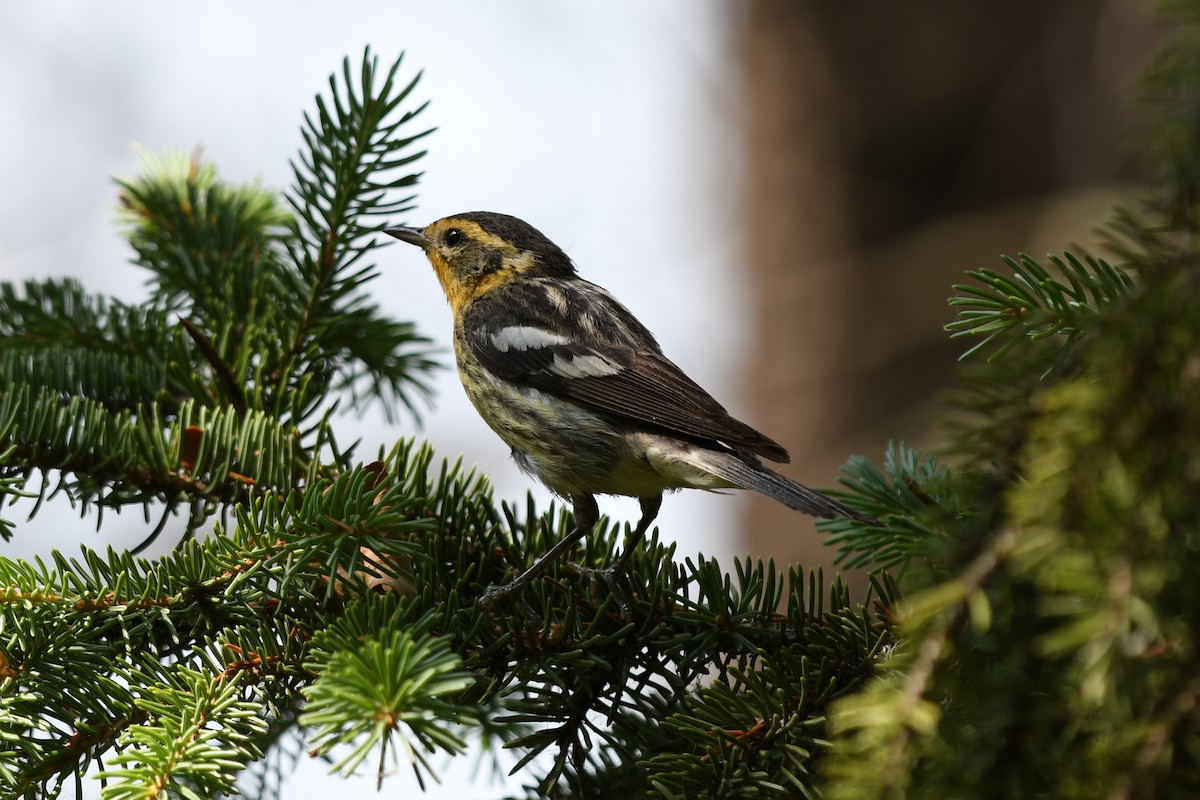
pixel 623 375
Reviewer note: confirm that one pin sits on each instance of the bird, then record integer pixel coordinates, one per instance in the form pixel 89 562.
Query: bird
pixel 580 390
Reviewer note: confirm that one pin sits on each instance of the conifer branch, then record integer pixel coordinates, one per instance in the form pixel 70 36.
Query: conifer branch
pixel 344 180
pixel 201 735
pixel 1033 302
pixel 1038 609
pixel 911 481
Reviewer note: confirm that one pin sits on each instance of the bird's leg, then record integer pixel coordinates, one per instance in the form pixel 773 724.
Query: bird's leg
pixel 650 507
pixel 611 575
pixel 586 514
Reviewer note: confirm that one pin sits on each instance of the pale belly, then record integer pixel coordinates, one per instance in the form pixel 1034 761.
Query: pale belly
pixel 575 451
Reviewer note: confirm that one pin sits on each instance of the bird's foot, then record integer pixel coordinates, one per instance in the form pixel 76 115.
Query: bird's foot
pixel 611 578
pixel 509 591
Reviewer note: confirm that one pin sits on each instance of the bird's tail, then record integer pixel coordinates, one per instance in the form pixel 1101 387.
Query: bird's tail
pixel 758 478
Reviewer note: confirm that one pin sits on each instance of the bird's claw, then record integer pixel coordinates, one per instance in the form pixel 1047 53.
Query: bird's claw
pixel 611 578
pixel 511 591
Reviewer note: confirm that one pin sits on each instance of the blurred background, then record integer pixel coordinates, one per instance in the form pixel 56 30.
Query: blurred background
pixel 784 191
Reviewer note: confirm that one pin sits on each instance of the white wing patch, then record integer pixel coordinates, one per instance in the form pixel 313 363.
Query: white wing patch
pixel 523 337
pixel 591 366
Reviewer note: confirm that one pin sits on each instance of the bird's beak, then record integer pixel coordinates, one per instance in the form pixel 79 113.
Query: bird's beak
pixel 411 235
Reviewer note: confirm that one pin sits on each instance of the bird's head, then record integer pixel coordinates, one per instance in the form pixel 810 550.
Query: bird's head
pixel 476 252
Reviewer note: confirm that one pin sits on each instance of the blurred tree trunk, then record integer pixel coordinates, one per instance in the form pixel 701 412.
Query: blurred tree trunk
pixel 888 149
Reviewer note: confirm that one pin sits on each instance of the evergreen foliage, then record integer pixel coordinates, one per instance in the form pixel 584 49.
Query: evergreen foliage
pixel 1047 636
pixel 321 597
pixel 1032 621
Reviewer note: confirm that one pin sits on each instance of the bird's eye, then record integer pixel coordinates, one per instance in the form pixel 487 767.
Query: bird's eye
pixel 453 238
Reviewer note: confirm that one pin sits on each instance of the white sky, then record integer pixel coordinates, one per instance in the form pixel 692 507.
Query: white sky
pixel 607 126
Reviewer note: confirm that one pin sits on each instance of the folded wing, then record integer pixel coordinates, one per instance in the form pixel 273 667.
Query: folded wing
pixel 626 377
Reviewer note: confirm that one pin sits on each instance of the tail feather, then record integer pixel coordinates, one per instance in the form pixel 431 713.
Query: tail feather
pixel 758 478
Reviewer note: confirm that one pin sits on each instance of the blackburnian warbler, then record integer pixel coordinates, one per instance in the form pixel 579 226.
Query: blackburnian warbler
pixel 579 388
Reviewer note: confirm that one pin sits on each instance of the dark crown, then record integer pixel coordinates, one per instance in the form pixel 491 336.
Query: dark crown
pixel 523 236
